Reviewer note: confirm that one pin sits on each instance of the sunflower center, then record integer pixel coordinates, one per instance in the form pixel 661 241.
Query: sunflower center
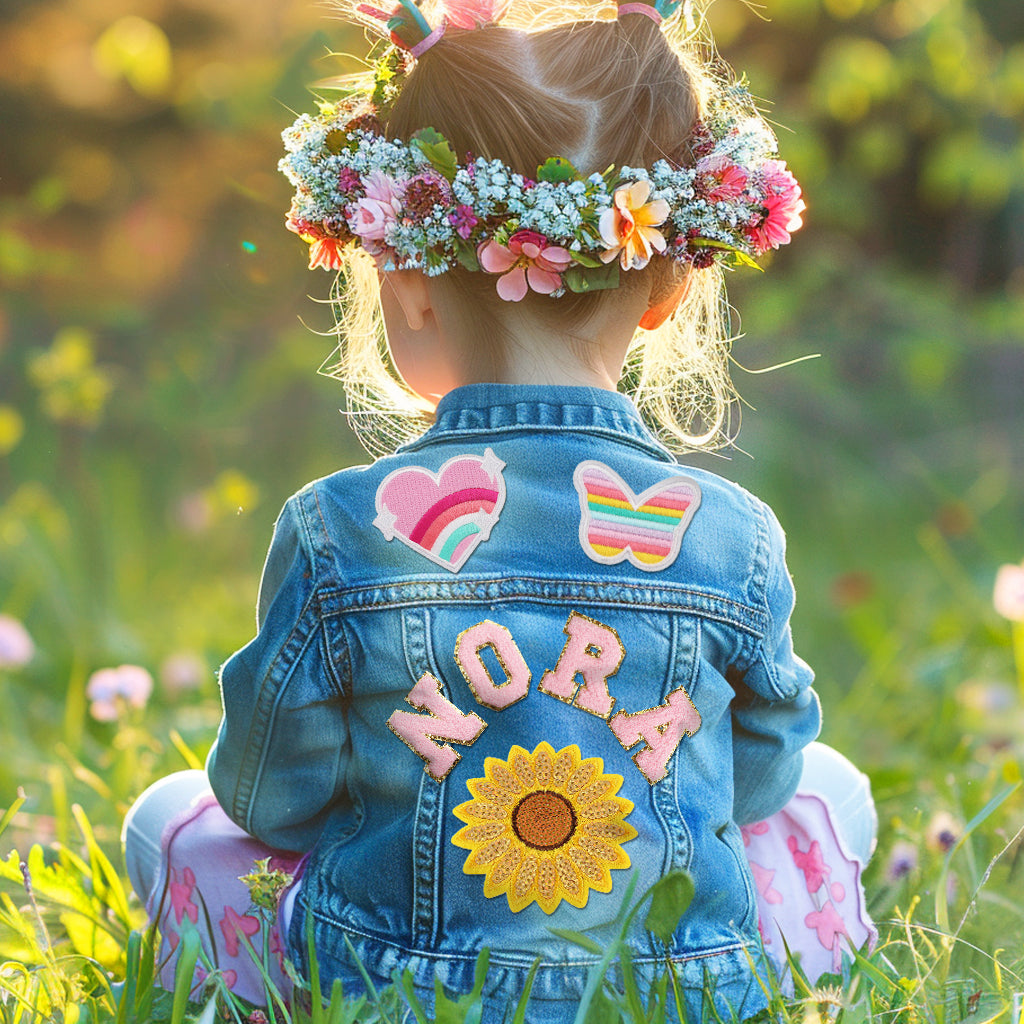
pixel 544 820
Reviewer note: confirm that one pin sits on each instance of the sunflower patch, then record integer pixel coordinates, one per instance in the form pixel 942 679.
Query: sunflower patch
pixel 591 655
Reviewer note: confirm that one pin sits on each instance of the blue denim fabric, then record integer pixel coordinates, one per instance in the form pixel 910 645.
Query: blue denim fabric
pixel 348 622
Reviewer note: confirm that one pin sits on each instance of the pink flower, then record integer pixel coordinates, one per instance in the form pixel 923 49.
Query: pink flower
pixel 349 180
pixel 183 671
pixel 463 220
pixel 471 14
pixel 1007 598
pixel 16 646
pixel 527 262
pixel 371 216
pixel 629 226
pixel 729 179
pixel 112 690
pixel 782 207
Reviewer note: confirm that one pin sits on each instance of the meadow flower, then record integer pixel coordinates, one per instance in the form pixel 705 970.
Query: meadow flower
pixel 629 226
pixel 182 671
pixel 16 646
pixel 824 1003
pixel 902 860
pixel 113 690
pixel 986 697
pixel 943 832
pixel 1008 595
pixel 528 261
pixel 266 884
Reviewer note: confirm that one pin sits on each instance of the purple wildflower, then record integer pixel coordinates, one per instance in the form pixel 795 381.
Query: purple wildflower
pixel 463 220
pixel 112 690
pixel 16 646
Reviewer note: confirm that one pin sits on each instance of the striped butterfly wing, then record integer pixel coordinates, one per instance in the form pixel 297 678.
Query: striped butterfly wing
pixel 618 525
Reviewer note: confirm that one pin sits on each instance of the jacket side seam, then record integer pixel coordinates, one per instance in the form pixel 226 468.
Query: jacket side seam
pixel 272 688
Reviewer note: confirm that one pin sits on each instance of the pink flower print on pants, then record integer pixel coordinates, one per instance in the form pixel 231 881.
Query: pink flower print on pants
pixel 811 863
pixel 232 924
pixel 763 880
pixel 830 926
pixel 181 896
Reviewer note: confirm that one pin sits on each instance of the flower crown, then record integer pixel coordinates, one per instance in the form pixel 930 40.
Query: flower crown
pixel 412 205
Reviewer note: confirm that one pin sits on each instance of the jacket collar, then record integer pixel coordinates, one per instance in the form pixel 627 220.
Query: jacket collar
pixel 476 410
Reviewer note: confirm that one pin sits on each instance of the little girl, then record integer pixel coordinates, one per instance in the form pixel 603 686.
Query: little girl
pixel 527 656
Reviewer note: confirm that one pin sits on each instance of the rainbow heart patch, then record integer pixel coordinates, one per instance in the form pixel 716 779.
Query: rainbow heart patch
pixel 446 515
pixel 618 525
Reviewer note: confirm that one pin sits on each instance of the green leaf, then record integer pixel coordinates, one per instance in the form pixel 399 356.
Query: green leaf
pixel 602 1010
pixel 404 981
pixel 524 998
pixel 466 255
pixel 670 896
pixel 587 279
pixel 335 141
pixel 556 168
pixel 438 151
pixel 585 260
pixel 738 258
pixel 505 231
pixel 577 939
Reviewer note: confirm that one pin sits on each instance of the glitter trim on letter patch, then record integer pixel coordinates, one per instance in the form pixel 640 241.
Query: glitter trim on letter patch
pixel 646 529
pixel 443 516
pixel 544 827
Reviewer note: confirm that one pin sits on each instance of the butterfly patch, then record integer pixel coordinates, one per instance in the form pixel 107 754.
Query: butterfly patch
pixel 617 525
pixel 443 516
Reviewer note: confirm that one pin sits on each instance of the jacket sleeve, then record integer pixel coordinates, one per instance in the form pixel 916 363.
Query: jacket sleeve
pixel 278 764
pixel 775 711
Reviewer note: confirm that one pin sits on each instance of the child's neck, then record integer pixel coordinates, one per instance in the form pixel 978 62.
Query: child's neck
pixel 588 355
pixel 556 361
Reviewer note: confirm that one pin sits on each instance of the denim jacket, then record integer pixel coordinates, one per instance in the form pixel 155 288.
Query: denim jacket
pixel 500 673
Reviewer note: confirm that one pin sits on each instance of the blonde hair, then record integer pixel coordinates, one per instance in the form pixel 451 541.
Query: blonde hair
pixel 598 92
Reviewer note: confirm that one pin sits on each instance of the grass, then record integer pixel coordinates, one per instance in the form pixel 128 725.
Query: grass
pixel 77 953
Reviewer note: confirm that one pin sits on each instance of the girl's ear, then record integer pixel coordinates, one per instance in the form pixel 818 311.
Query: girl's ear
pixel 410 289
pixel 658 312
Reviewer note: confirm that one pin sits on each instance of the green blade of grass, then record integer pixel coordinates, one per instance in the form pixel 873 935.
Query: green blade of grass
pixel 519 1017
pixel 184 971
pixel 11 811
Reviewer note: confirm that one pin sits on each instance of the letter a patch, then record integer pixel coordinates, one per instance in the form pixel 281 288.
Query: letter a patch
pixel 618 525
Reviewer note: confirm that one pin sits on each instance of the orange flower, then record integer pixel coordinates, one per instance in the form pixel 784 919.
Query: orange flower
pixel 628 226
pixel 326 253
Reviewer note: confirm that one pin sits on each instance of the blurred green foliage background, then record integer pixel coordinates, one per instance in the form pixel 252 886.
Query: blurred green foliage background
pixel 158 349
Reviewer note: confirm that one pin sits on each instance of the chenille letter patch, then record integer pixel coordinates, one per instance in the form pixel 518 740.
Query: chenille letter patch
pixel 617 525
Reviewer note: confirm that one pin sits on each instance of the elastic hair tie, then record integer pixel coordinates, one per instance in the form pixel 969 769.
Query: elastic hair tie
pixel 427 42
pixel 640 8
